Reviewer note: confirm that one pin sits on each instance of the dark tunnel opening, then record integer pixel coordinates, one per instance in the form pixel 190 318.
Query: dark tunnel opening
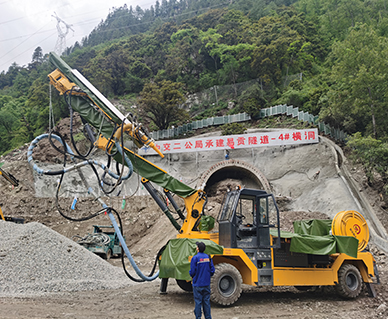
pixel 231 177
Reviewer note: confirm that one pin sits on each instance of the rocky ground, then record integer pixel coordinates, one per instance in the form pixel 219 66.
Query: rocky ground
pixel 147 230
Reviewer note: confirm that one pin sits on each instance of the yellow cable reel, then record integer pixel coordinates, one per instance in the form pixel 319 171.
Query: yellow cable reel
pixel 351 223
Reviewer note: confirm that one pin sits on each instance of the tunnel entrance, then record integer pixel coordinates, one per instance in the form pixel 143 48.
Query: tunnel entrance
pixel 230 173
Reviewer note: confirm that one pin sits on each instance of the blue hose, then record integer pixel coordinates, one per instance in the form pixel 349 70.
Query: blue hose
pixel 40 171
pixel 88 162
pixel 126 250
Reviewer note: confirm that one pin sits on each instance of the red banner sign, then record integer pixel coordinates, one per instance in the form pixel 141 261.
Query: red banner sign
pixel 212 143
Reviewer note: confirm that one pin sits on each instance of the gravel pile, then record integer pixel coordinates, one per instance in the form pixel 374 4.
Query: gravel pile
pixel 35 260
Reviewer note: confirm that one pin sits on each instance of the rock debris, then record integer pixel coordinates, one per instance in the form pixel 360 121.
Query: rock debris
pixel 35 260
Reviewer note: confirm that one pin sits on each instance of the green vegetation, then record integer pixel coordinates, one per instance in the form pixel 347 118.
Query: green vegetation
pixel 373 155
pixel 233 128
pixel 326 57
pixel 160 102
pixel 282 122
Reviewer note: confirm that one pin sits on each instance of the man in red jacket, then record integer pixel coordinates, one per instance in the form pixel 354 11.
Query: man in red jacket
pixel 201 269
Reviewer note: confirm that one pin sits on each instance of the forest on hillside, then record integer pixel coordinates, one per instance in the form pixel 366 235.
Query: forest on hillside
pixel 326 57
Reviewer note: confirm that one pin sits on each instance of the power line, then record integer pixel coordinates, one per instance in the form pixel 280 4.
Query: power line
pixel 28 49
pixel 50 30
pixel 21 43
pixel 39 31
pixel 42 12
pixel 27 35
pixel 30 15
pixel 91 21
pixel 31 35
pixel 166 18
pixel 94 19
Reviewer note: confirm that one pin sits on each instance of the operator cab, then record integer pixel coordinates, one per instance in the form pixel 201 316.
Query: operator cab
pixel 246 217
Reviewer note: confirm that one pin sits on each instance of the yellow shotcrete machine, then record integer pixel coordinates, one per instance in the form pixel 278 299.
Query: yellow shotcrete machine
pixel 249 247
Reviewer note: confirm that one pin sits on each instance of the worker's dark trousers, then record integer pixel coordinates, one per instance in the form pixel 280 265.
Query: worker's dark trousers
pixel 202 300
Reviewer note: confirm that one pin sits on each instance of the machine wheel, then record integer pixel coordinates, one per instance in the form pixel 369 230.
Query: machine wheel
pixel 225 285
pixel 349 281
pixel 185 285
pixel 108 254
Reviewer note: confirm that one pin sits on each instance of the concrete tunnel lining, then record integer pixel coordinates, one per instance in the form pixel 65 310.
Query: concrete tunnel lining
pixel 250 176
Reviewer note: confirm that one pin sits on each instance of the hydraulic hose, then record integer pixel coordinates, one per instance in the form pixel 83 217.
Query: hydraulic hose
pixel 126 250
pixel 92 163
pixel 69 151
pixel 34 143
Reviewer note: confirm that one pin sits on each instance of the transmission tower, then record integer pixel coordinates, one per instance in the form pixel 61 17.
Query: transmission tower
pixel 63 29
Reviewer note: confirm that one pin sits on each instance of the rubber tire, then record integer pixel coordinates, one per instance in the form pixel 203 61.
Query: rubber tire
pixel 225 285
pixel 185 285
pixel 349 281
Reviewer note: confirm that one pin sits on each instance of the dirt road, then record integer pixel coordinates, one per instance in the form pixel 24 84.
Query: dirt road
pixel 144 301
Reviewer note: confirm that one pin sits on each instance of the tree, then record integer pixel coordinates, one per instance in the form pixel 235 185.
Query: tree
pixel 108 69
pixel 8 78
pixel 34 114
pixel 157 8
pixel 9 122
pixel 373 154
pixel 232 26
pixel 210 39
pixel 233 59
pixel 160 103
pixel 360 83
pixel 334 18
pixel 185 63
pixel 37 56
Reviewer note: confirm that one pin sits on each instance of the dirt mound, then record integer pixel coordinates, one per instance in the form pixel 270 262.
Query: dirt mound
pixel 36 260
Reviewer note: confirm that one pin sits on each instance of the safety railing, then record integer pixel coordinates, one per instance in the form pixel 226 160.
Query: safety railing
pixel 288 110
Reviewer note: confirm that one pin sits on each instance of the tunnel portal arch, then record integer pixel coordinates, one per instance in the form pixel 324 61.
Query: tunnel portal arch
pixel 250 176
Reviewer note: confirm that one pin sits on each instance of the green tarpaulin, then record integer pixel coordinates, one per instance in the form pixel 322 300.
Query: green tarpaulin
pixel 317 227
pixel 206 223
pixel 157 176
pixel 313 237
pixel 175 258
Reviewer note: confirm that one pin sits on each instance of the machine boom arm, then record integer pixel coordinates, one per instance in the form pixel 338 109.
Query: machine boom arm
pixel 95 109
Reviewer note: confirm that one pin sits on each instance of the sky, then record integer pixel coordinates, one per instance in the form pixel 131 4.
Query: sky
pixel 28 24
